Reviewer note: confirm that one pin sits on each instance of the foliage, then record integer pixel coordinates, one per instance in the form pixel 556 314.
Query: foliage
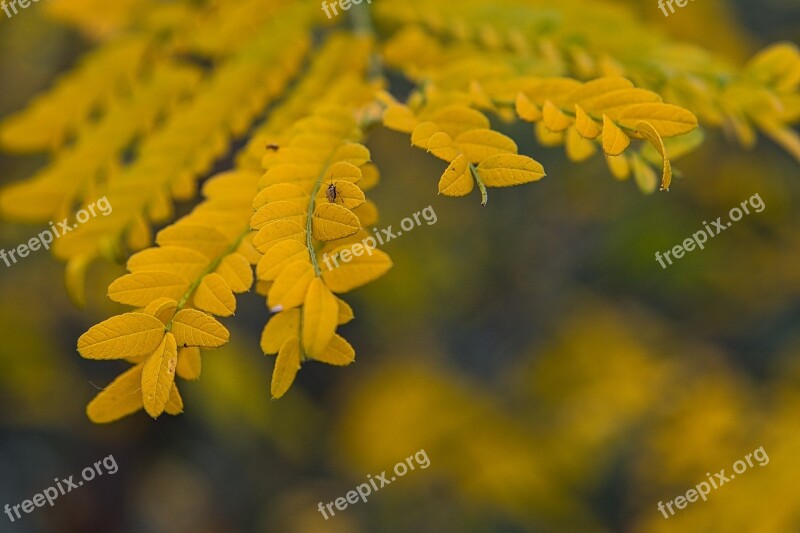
pixel 171 86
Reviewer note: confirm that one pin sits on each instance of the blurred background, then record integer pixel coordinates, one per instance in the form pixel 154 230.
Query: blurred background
pixel 556 376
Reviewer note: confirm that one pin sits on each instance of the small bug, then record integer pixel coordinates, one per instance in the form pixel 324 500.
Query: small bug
pixel 273 147
pixel 331 193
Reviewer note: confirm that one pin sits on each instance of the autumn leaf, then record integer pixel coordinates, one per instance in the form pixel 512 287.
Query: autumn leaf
pixel 286 366
pixel 121 398
pixel 331 222
pixel 126 335
pixel 158 374
pixel 357 272
pixel 320 316
pixel 194 328
pixel 215 295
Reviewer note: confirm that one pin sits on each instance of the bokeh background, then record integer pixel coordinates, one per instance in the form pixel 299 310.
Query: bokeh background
pixel 557 378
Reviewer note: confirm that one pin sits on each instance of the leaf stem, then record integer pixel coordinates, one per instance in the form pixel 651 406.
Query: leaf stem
pixel 310 218
pixel 208 270
pixel 484 194
pixel 362 25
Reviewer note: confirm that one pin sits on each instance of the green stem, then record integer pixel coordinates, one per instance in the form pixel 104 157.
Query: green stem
pixel 208 270
pixel 362 25
pixel 310 218
pixel 484 194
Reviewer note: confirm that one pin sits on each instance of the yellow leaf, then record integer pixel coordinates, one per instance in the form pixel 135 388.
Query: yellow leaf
pixel 316 141
pixel 579 148
pixel 547 137
pixel 215 296
pixel 583 63
pixel 262 287
pixel 526 109
pixel 286 192
pixel 236 271
pixel 777 65
pixel 162 308
pixel 277 231
pixel 320 314
pixel 367 214
pixel 272 159
pixel 121 398
pixel 141 288
pixel 456 119
pixel 121 336
pixel 441 145
pixel 537 90
pixel 422 134
pixel 175 402
pixel 230 184
pixel 31 201
pixel 352 154
pixel 739 125
pixel 139 234
pixel 585 125
pixel 359 271
pixel 279 328
pixel 505 170
pixel 619 166
pixel 339 352
pixel 342 171
pixel 457 179
pixel 589 92
pixel 371 177
pixel 668 120
pixel 249 251
pixel 399 118
pixel 194 328
pixel 615 141
pixel 278 210
pixel 160 208
pixel 644 175
pixel 786 137
pixel 554 118
pixel 479 98
pixel 610 67
pixel 286 366
pixel 297 175
pixel 348 194
pixel 647 131
pixel 331 222
pixel 612 102
pixel 675 146
pixel 75 277
pixel 345 312
pixel 189 363
pixel 158 375
pixel 289 288
pixel 477 145
pixel 205 240
pixel 184 262
pixel 280 255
